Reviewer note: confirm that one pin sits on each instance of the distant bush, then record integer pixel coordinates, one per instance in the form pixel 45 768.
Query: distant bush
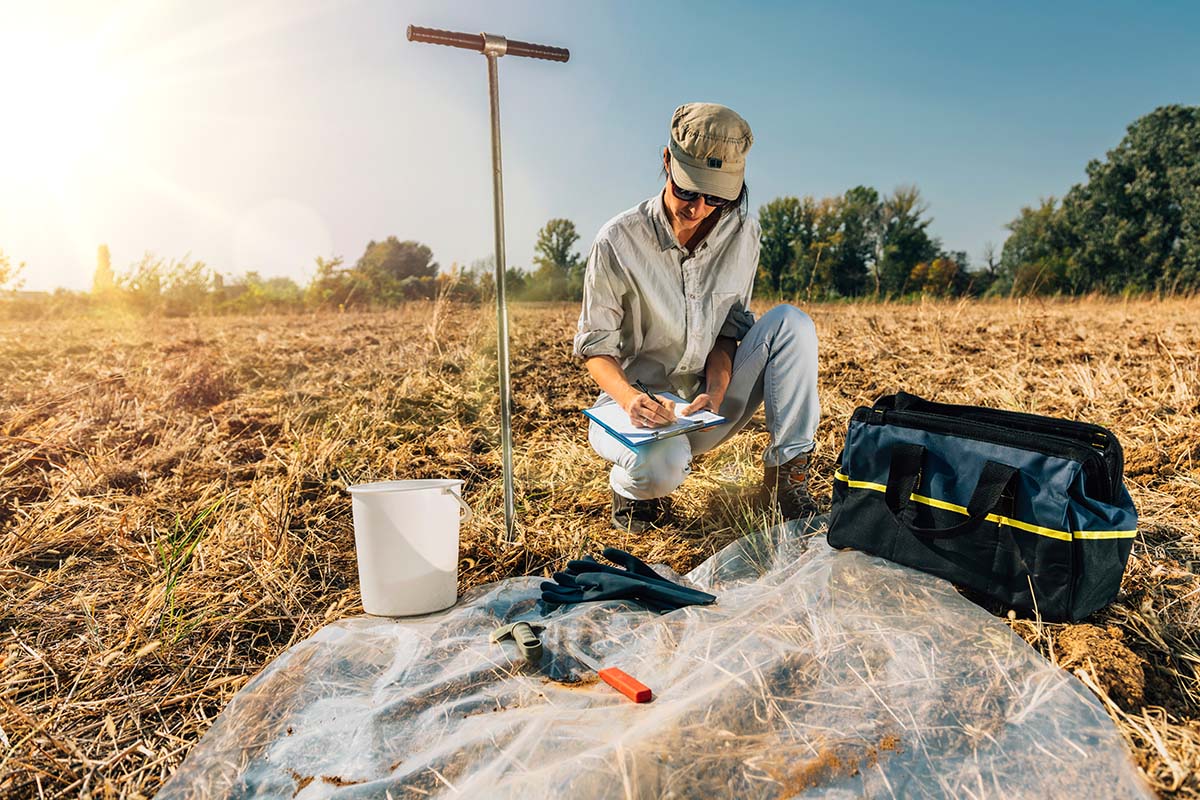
pixel 251 292
pixel 9 275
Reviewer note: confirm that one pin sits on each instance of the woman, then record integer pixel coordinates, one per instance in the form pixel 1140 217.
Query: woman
pixel 666 302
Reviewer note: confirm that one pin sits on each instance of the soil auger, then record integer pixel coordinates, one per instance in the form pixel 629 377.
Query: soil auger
pixel 493 47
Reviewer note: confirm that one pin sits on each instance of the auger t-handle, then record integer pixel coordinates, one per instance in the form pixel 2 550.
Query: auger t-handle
pixel 476 42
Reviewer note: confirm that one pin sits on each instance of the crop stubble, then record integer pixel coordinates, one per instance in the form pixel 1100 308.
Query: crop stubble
pixel 172 513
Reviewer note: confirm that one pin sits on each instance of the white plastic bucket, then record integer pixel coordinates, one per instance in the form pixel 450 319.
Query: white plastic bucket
pixel 406 536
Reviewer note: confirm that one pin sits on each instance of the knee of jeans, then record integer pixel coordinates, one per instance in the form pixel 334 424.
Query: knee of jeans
pixel 660 469
pixel 792 320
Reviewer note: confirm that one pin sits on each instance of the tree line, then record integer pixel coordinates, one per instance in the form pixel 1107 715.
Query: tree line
pixel 855 244
pixel 1133 226
pixel 388 273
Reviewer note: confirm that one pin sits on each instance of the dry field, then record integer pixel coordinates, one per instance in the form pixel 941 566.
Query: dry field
pixel 172 513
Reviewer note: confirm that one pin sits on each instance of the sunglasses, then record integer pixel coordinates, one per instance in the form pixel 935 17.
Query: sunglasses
pixel 688 197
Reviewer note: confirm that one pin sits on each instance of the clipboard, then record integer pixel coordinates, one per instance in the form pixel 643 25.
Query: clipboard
pixel 615 421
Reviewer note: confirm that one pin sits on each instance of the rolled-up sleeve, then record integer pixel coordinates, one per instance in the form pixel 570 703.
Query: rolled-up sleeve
pixel 740 319
pixel 599 331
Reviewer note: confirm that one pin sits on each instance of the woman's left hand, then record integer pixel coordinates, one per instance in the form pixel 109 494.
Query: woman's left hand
pixel 703 402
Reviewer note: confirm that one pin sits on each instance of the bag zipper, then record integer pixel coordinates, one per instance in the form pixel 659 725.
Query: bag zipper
pixel 1059 446
pixel 1093 435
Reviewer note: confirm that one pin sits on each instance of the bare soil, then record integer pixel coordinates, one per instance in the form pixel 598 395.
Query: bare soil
pixel 1100 651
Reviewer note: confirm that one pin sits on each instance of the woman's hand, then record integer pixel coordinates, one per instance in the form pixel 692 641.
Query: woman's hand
pixel 703 402
pixel 645 413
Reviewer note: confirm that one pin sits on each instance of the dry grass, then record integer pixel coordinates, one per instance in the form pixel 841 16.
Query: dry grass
pixel 172 514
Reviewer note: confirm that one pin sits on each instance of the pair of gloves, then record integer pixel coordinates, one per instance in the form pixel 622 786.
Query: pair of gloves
pixel 586 580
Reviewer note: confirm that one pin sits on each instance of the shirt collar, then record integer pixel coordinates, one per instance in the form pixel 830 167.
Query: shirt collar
pixel 666 234
pixel 662 225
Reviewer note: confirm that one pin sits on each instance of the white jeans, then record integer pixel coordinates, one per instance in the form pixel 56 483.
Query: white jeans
pixel 775 365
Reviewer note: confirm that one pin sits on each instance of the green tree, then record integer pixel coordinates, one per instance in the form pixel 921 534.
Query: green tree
pixel 176 288
pixel 981 280
pixel 963 281
pixel 816 248
pixel 253 293
pixel 389 265
pixel 819 248
pixel 1035 255
pixel 781 223
pixel 905 241
pixel 862 231
pixel 142 285
pixel 1135 223
pixel 334 286
pixel 941 277
pixel 186 288
pixel 559 270
pixel 482 273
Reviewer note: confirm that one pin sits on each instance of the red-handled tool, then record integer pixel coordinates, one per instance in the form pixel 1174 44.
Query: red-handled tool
pixel 620 680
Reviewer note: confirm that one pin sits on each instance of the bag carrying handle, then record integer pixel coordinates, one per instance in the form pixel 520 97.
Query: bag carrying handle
pixel 905 474
pixel 467 513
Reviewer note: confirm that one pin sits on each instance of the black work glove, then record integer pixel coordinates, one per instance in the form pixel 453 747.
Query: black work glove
pixel 586 580
pixel 631 566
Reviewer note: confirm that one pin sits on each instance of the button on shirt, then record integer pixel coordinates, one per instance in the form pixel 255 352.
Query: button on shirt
pixel 656 306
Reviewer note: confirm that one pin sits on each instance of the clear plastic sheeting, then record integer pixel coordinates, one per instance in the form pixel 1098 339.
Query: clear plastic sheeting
pixel 818 674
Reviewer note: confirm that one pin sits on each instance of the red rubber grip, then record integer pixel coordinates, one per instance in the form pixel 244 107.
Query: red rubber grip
pixel 626 684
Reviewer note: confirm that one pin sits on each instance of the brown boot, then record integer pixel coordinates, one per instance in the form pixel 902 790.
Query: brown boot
pixel 787 484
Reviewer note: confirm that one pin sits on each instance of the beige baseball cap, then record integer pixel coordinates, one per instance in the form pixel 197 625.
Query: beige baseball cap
pixel 708 149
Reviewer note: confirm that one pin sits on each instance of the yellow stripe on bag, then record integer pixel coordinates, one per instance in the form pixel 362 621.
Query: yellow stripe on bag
pixel 1105 534
pixel 1012 523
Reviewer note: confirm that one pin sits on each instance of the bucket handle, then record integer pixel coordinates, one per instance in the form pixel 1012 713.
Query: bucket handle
pixel 467 513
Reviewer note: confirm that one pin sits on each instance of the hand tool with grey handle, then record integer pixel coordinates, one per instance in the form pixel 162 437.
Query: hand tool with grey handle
pixel 525 634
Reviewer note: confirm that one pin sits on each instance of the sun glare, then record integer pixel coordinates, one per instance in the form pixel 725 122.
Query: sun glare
pixel 58 101
pixel 95 101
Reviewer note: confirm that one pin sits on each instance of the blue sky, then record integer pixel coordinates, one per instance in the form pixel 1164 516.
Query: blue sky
pixel 261 135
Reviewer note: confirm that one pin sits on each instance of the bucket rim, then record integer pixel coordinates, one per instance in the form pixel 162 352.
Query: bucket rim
pixel 415 484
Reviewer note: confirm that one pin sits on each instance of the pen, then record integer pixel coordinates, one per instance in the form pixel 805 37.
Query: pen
pixel 641 386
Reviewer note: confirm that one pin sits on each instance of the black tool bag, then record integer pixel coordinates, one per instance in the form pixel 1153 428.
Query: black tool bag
pixel 1031 511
